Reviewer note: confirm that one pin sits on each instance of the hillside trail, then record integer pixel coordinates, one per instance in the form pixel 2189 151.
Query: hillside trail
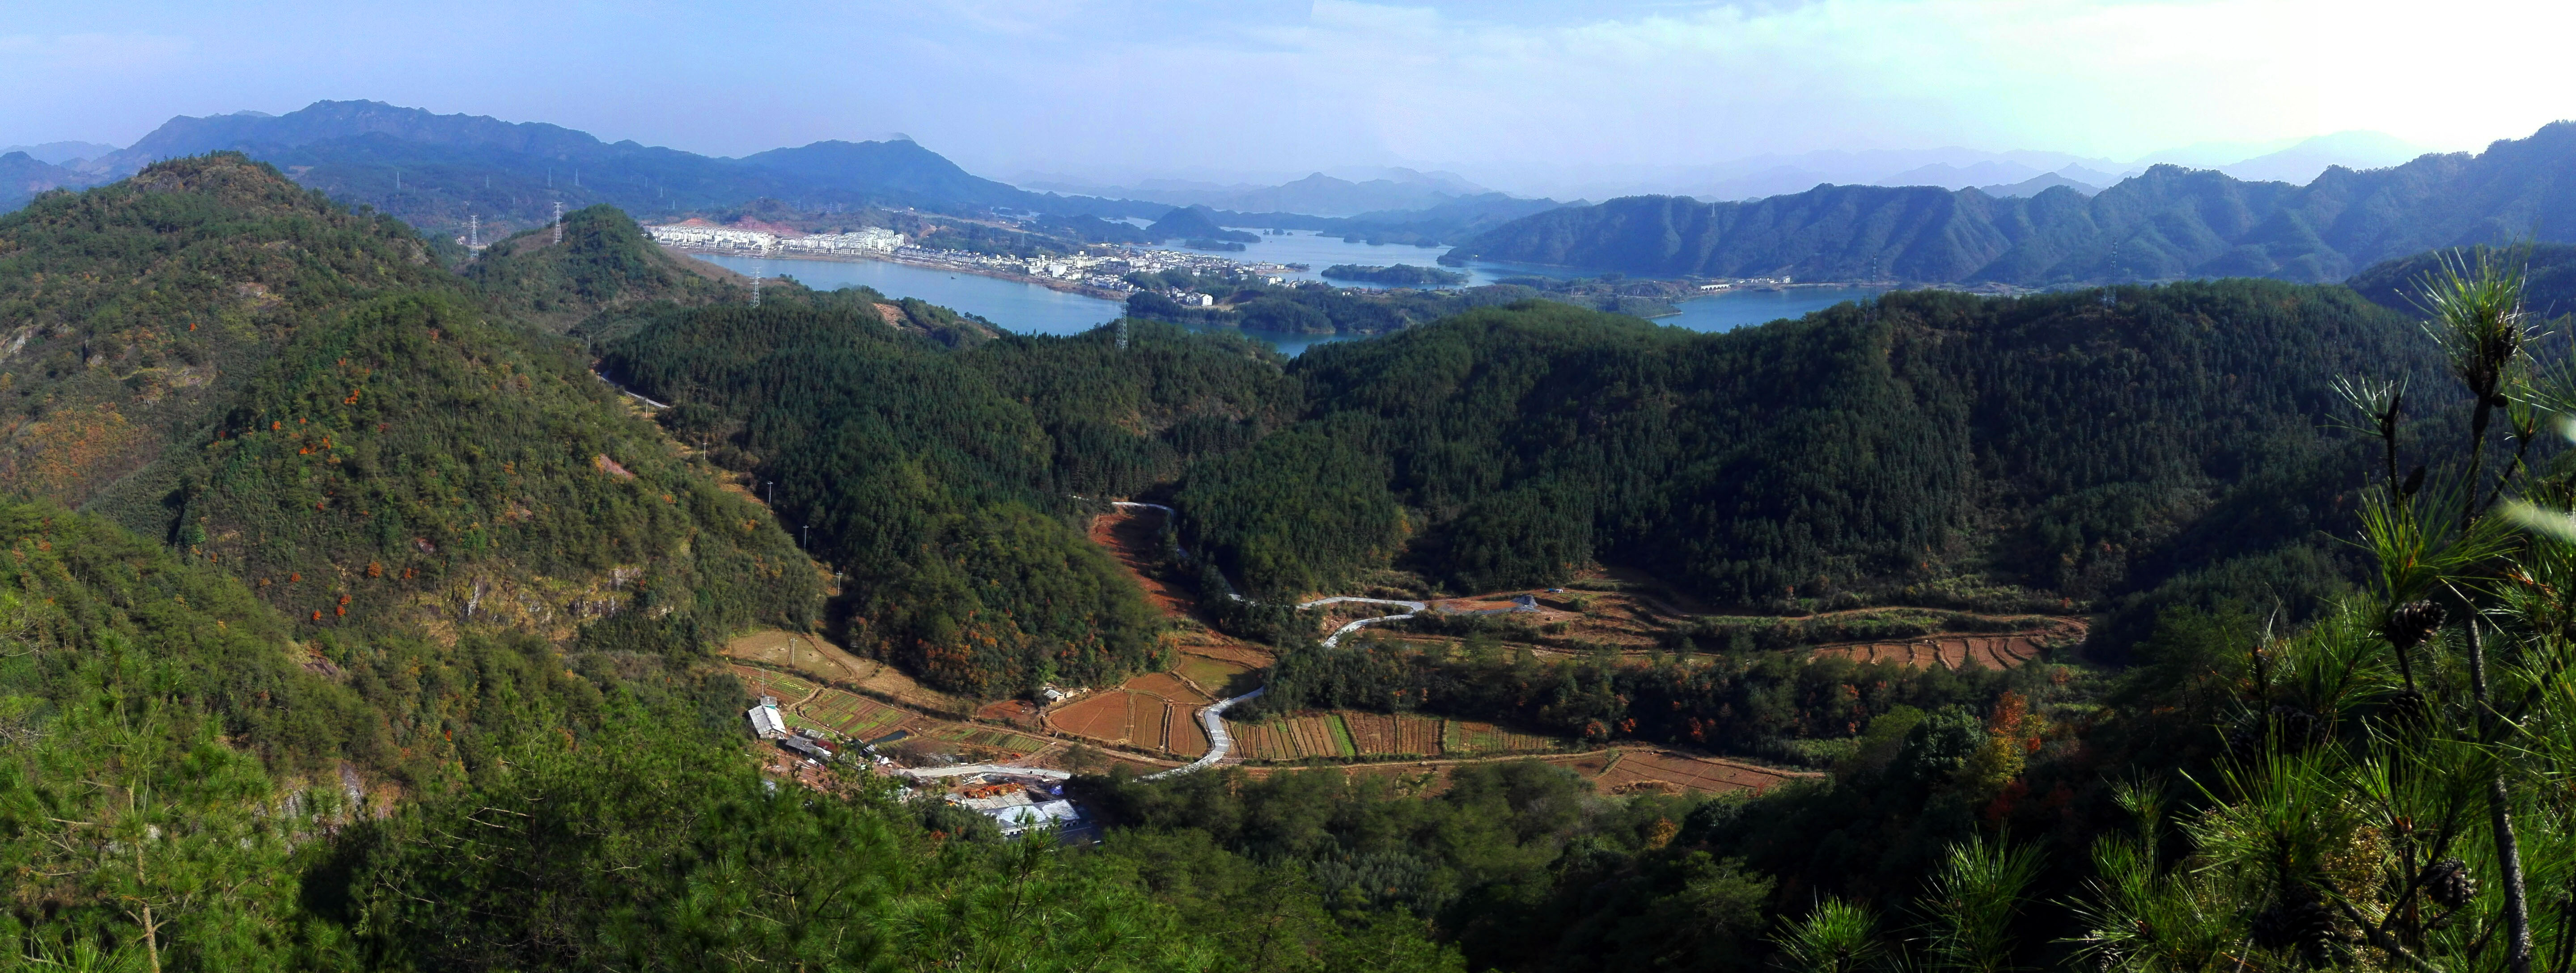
pixel 1126 536
pixel 1127 527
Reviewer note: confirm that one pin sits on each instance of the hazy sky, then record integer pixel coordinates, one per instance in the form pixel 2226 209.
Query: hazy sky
pixel 1123 88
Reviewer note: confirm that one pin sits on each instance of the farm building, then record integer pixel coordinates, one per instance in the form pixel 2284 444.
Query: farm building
pixel 1020 818
pixel 766 723
pixel 807 747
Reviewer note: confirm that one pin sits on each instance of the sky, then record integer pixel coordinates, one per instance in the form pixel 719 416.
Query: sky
pixel 1258 89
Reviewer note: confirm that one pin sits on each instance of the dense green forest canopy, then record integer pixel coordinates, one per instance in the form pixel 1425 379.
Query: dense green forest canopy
pixel 944 481
pixel 605 263
pixel 1399 274
pixel 1919 446
pixel 132 310
pixel 2549 277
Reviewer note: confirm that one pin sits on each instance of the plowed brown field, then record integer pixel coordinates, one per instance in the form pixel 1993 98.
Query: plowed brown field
pixel 1017 712
pixel 1663 769
pixel 1109 717
pixel 1182 734
pixel 1167 686
pixel 1371 733
pixel 1947 651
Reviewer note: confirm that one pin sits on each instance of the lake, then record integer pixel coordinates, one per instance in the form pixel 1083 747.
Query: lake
pixel 1030 309
pixel 1729 310
pixel 1318 252
pixel 1021 308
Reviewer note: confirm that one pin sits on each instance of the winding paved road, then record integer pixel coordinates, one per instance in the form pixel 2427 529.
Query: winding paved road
pixel 1219 742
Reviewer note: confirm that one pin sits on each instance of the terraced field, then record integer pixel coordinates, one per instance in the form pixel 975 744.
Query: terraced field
pixel 853 715
pixel 1217 675
pixel 763 682
pixel 1293 738
pixel 1137 718
pixel 1109 717
pixel 1463 738
pixel 1167 686
pixel 1664 770
pixel 984 736
pixel 1393 735
pixel 1949 651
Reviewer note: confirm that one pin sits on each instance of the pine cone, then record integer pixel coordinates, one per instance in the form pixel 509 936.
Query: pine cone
pixel 2409 624
pixel 2245 742
pixel 2301 923
pixel 2295 728
pixel 2406 708
pixel 2448 882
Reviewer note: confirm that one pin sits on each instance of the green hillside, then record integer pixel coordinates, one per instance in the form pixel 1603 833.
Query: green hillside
pixel 605 263
pixel 2549 283
pixel 416 461
pixel 1921 445
pixel 943 481
pixel 134 309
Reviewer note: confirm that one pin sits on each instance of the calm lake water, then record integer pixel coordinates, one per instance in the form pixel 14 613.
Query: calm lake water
pixel 1319 252
pixel 1031 309
pixel 1730 310
pixel 1018 307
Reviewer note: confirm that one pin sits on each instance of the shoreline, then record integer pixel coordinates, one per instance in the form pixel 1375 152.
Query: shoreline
pixel 1049 283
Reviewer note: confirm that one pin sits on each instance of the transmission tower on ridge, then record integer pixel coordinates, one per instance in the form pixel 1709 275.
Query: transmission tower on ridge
pixel 473 232
pixel 558 221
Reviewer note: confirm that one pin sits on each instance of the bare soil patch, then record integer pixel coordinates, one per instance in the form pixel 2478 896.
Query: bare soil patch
pixel 1108 717
pixel 1663 770
pixel 1131 535
pixel 1166 686
pixel 1017 712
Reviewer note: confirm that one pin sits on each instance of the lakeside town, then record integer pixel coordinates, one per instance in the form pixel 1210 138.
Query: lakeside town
pixel 1100 270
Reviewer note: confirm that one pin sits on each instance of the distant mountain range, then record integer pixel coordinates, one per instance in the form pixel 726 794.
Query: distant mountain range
pixel 2045 181
pixel 2166 223
pixel 1953 167
pixel 1315 195
pixel 435 171
pixel 61 153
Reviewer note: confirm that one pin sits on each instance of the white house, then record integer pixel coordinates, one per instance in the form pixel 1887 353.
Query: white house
pixel 766 723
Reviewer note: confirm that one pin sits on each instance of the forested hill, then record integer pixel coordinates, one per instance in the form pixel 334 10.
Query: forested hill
pixel 2549 281
pixel 605 263
pixel 943 480
pixel 132 310
pixel 1923 445
pixel 219 359
pixel 2168 223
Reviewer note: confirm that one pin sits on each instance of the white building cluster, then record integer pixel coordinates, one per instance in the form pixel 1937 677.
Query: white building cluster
pixel 870 239
pixel 1102 268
